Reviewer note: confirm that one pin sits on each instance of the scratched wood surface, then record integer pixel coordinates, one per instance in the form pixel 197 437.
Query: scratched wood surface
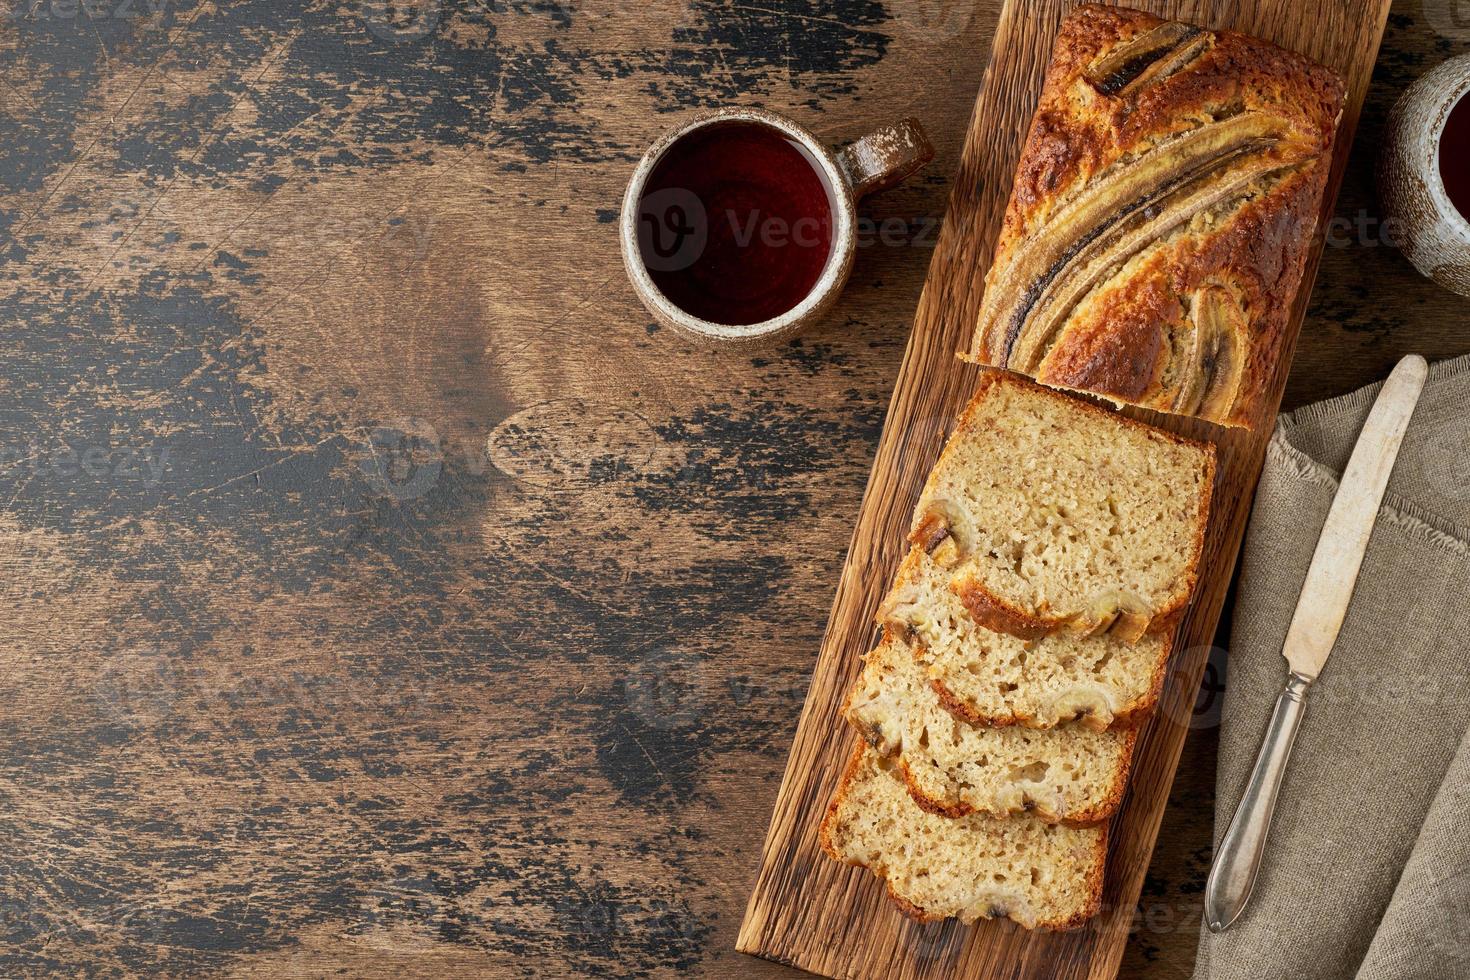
pixel 383 594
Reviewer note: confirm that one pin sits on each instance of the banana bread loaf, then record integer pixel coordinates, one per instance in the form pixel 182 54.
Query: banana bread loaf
pixel 1160 215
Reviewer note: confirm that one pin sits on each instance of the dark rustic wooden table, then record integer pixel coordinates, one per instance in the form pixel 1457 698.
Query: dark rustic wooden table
pixel 384 593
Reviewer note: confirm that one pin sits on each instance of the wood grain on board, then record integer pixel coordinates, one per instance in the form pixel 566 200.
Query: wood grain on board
pixel 808 911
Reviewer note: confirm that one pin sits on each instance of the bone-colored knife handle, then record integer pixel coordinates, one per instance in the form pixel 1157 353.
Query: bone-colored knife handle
pixel 1238 858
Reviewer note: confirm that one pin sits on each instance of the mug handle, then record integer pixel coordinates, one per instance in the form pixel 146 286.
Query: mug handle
pixel 885 156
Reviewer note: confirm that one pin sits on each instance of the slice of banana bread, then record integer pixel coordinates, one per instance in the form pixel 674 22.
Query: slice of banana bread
pixel 1038 874
pixel 1053 514
pixel 990 678
pixel 1068 775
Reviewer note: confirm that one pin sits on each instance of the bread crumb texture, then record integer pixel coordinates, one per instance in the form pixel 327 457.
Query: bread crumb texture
pixel 1038 874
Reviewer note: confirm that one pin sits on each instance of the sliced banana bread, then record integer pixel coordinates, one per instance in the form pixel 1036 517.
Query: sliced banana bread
pixel 990 678
pixel 951 767
pixel 1038 874
pixel 1053 514
pixel 997 679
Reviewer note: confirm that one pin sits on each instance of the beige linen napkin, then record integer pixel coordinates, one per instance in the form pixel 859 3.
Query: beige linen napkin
pixel 1367 873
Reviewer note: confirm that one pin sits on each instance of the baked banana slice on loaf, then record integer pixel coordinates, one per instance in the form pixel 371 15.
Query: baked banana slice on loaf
pixel 1160 216
pixel 990 678
pixel 1071 774
pixel 1052 514
pixel 1040 875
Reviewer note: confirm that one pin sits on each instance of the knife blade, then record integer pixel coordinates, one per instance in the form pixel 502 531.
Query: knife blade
pixel 1320 610
pixel 1339 555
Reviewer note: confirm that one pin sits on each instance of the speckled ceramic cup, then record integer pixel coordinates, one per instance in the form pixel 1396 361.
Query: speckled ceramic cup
pixel 1427 226
pixel 875 162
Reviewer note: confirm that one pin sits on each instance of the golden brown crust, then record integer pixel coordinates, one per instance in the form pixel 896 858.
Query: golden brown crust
pixel 1117 347
pixel 909 908
pixel 997 615
pixel 1126 336
pixel 824 832
pixel 964 711
pixel 1068 142
pixel 1136 715
pixel 929 804
pixel 1109 806
pixel 994 613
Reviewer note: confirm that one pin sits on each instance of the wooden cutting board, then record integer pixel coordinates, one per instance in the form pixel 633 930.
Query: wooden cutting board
pixel 810 912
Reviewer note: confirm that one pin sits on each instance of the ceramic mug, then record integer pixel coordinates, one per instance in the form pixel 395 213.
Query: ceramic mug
pixel 873 163
pixel 1428 228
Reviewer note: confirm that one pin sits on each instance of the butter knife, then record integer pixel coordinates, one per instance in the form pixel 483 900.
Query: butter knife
pixel 1314 627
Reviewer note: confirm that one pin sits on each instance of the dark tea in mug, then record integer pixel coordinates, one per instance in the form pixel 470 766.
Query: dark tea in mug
pixel 735 223
pixel 1454 156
